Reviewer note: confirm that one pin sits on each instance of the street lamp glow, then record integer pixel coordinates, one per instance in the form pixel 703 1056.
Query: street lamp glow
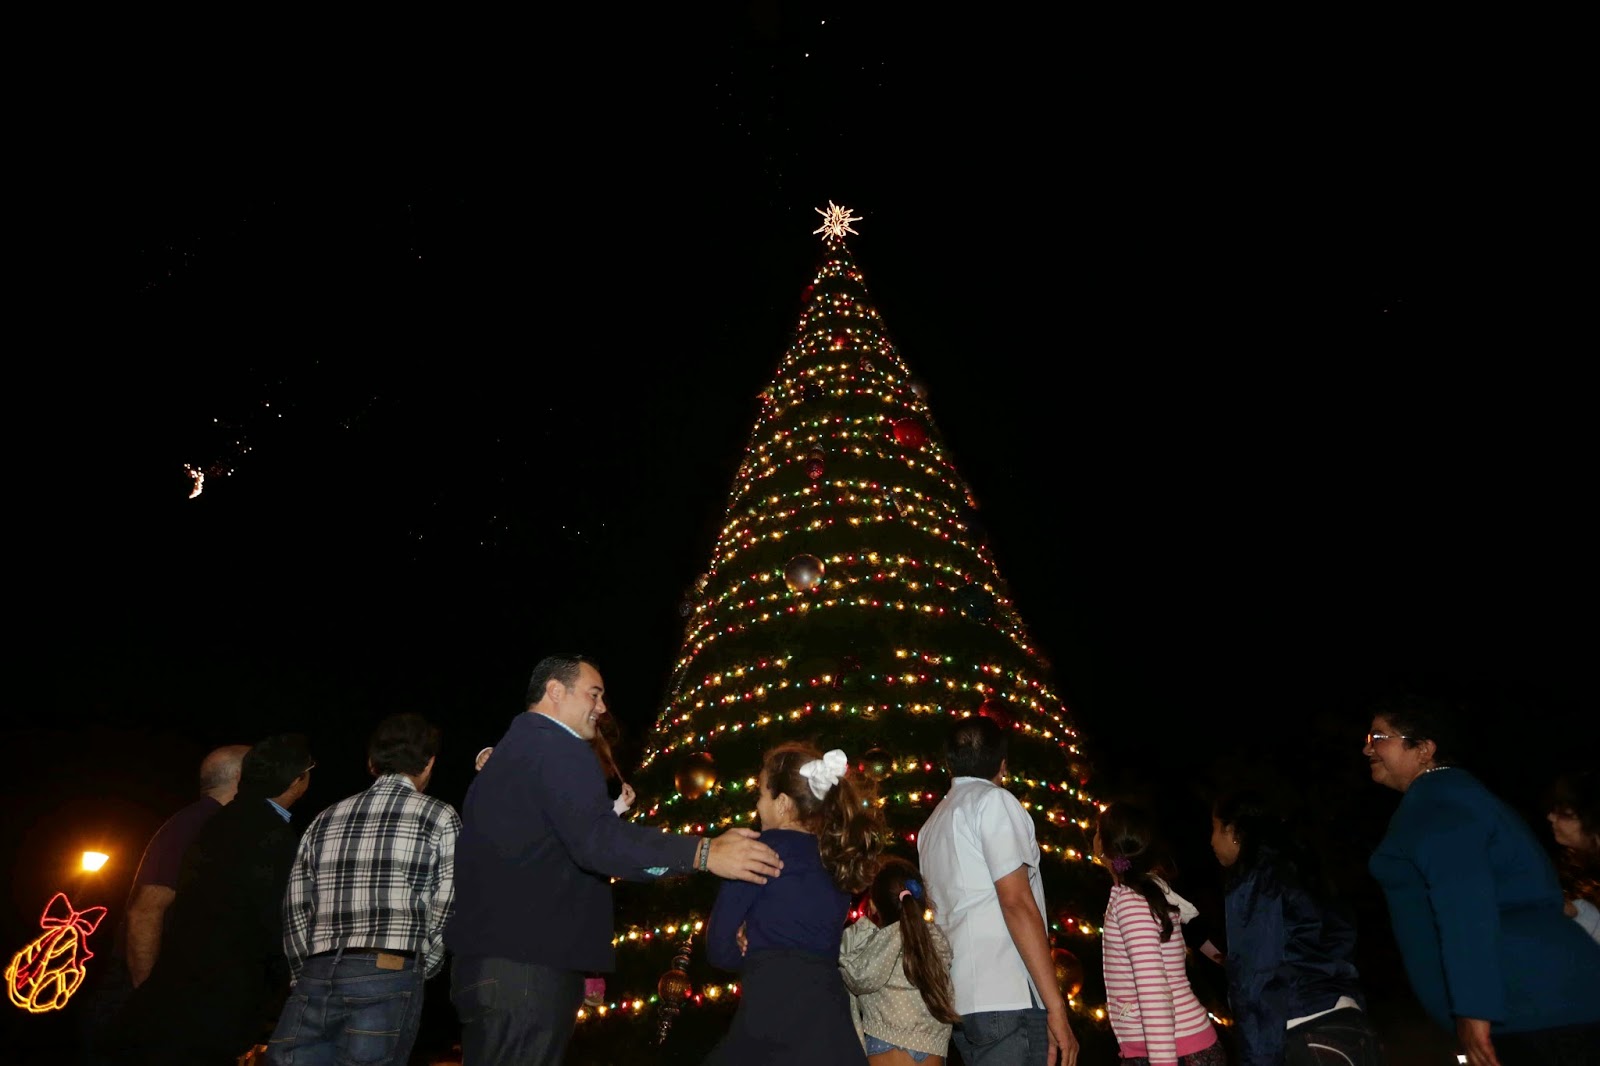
pixel 93 860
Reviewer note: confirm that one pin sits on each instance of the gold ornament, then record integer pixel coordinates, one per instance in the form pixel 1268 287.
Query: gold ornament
pixel 877 764
pixel 1069 971
pixel 674 987
pixel 697 776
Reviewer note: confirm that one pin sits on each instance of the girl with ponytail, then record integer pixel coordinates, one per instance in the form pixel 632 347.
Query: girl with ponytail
pixel 898 963
pixel 1154 1012
pixel 783 937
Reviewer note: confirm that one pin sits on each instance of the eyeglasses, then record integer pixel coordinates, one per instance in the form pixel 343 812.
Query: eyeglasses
pixel 1373 738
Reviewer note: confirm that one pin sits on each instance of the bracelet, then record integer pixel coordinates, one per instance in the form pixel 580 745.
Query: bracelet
pixel 702 859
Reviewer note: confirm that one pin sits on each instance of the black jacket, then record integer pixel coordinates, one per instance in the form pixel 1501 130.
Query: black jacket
pixel 1289 955
pixel 221 977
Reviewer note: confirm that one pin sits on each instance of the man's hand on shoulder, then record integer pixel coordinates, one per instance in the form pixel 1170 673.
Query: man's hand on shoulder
pixel 739 855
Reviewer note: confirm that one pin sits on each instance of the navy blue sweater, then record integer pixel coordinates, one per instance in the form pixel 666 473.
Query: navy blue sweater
pixel 539 844
pixel 802 909
pixel 1476 909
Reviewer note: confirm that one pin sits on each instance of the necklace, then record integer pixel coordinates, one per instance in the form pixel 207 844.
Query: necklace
pixel 1431 769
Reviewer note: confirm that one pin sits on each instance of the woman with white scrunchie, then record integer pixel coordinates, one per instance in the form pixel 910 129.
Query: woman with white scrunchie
pixel 783 937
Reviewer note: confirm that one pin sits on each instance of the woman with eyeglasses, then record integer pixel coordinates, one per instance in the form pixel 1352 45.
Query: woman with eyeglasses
pixel 1292 983
pixel 1476 906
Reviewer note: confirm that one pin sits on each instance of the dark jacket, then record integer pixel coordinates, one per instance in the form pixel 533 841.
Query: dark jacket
pixel 539 845
pixel 1289 955
pixel 221 977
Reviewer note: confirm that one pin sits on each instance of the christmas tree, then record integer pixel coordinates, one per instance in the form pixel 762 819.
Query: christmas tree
pixel 852 601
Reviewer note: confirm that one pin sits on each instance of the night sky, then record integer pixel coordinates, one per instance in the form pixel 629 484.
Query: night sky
pixel 1251 376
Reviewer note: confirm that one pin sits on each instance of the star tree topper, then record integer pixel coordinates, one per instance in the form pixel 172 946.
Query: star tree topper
pixel 835 221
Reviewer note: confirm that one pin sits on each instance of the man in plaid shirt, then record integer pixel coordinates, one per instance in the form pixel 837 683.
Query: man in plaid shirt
pixel 364 914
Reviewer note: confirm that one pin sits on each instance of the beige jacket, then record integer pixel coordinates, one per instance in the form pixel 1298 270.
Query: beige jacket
pixel 891 1007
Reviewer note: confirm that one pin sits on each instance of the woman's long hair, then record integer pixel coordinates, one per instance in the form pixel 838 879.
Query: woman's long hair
pixel 919 958
pixel 1130 846
pixel 1577 795
pixel 848 826
pixel 607 735
pixel 1261 828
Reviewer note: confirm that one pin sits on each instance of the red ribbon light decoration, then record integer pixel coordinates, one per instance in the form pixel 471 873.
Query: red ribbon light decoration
pixel 45 974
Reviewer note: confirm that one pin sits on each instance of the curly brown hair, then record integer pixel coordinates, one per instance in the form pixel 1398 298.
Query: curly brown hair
pixel 846 821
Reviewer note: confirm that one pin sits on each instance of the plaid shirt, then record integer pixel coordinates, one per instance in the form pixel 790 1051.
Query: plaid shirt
pixel 374 870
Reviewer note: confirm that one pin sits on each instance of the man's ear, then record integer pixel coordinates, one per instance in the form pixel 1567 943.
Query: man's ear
pixel 371 768
pixel 428 769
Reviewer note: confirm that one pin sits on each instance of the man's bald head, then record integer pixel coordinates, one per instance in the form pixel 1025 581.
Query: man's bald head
pixel 219 772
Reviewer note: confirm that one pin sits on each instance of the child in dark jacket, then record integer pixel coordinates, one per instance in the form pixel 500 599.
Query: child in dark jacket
pixel 1291 982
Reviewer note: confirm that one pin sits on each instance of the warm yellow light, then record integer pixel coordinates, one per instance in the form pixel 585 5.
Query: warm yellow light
pixel 93 860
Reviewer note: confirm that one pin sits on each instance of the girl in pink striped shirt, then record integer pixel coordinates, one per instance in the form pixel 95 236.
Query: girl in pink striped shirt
pixel 1154 1012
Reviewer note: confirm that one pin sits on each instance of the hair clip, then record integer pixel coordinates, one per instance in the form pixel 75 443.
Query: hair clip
pixel 1120 865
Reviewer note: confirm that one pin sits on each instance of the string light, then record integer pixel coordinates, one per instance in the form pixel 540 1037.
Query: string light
pixel 897 623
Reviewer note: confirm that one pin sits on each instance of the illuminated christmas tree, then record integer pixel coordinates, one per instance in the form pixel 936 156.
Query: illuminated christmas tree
pixel 852 601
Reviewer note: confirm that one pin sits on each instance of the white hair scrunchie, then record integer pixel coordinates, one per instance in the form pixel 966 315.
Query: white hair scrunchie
pixel 825 772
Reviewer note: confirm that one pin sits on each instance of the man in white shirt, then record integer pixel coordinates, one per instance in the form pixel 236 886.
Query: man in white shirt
pixel 980 859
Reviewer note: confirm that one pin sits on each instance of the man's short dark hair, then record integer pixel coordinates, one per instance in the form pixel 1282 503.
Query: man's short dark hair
pixel 562 667
pixel 271 766
pixel 976 748
pixel 402 744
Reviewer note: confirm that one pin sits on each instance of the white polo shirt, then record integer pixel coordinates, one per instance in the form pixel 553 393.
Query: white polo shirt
pixel 978 834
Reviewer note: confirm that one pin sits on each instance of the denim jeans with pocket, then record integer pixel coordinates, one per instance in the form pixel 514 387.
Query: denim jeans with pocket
pixel 1003 1038
pixel 345 1009
pixel 514 1012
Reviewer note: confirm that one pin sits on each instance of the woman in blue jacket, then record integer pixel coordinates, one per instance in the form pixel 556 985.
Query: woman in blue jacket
pixel 1291 982
pixel 1476 906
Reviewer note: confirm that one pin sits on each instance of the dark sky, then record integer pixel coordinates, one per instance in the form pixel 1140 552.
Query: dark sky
pixel 1268 395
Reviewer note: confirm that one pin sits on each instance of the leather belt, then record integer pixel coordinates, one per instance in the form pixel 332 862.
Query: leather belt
pixel 366 949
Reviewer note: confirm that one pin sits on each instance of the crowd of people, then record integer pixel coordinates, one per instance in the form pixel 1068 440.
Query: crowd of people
pixel 244 933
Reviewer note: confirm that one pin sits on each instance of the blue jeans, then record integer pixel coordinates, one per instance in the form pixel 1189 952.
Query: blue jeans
pixel 344 1010
pixel 1003 1038
pixel 514 1012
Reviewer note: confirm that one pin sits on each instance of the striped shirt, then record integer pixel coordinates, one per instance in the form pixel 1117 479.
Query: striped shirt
pixel 1153 1010
pixel 374 870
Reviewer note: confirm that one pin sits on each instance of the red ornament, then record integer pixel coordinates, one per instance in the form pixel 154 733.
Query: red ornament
pixel 993 709
pixel 909 433
pixel 814 468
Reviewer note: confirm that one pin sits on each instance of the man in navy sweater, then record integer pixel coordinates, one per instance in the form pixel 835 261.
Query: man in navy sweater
pixel 538 848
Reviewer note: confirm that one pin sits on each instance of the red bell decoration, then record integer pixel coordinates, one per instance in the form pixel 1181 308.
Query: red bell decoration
pixel 814 469
pixel 909 433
